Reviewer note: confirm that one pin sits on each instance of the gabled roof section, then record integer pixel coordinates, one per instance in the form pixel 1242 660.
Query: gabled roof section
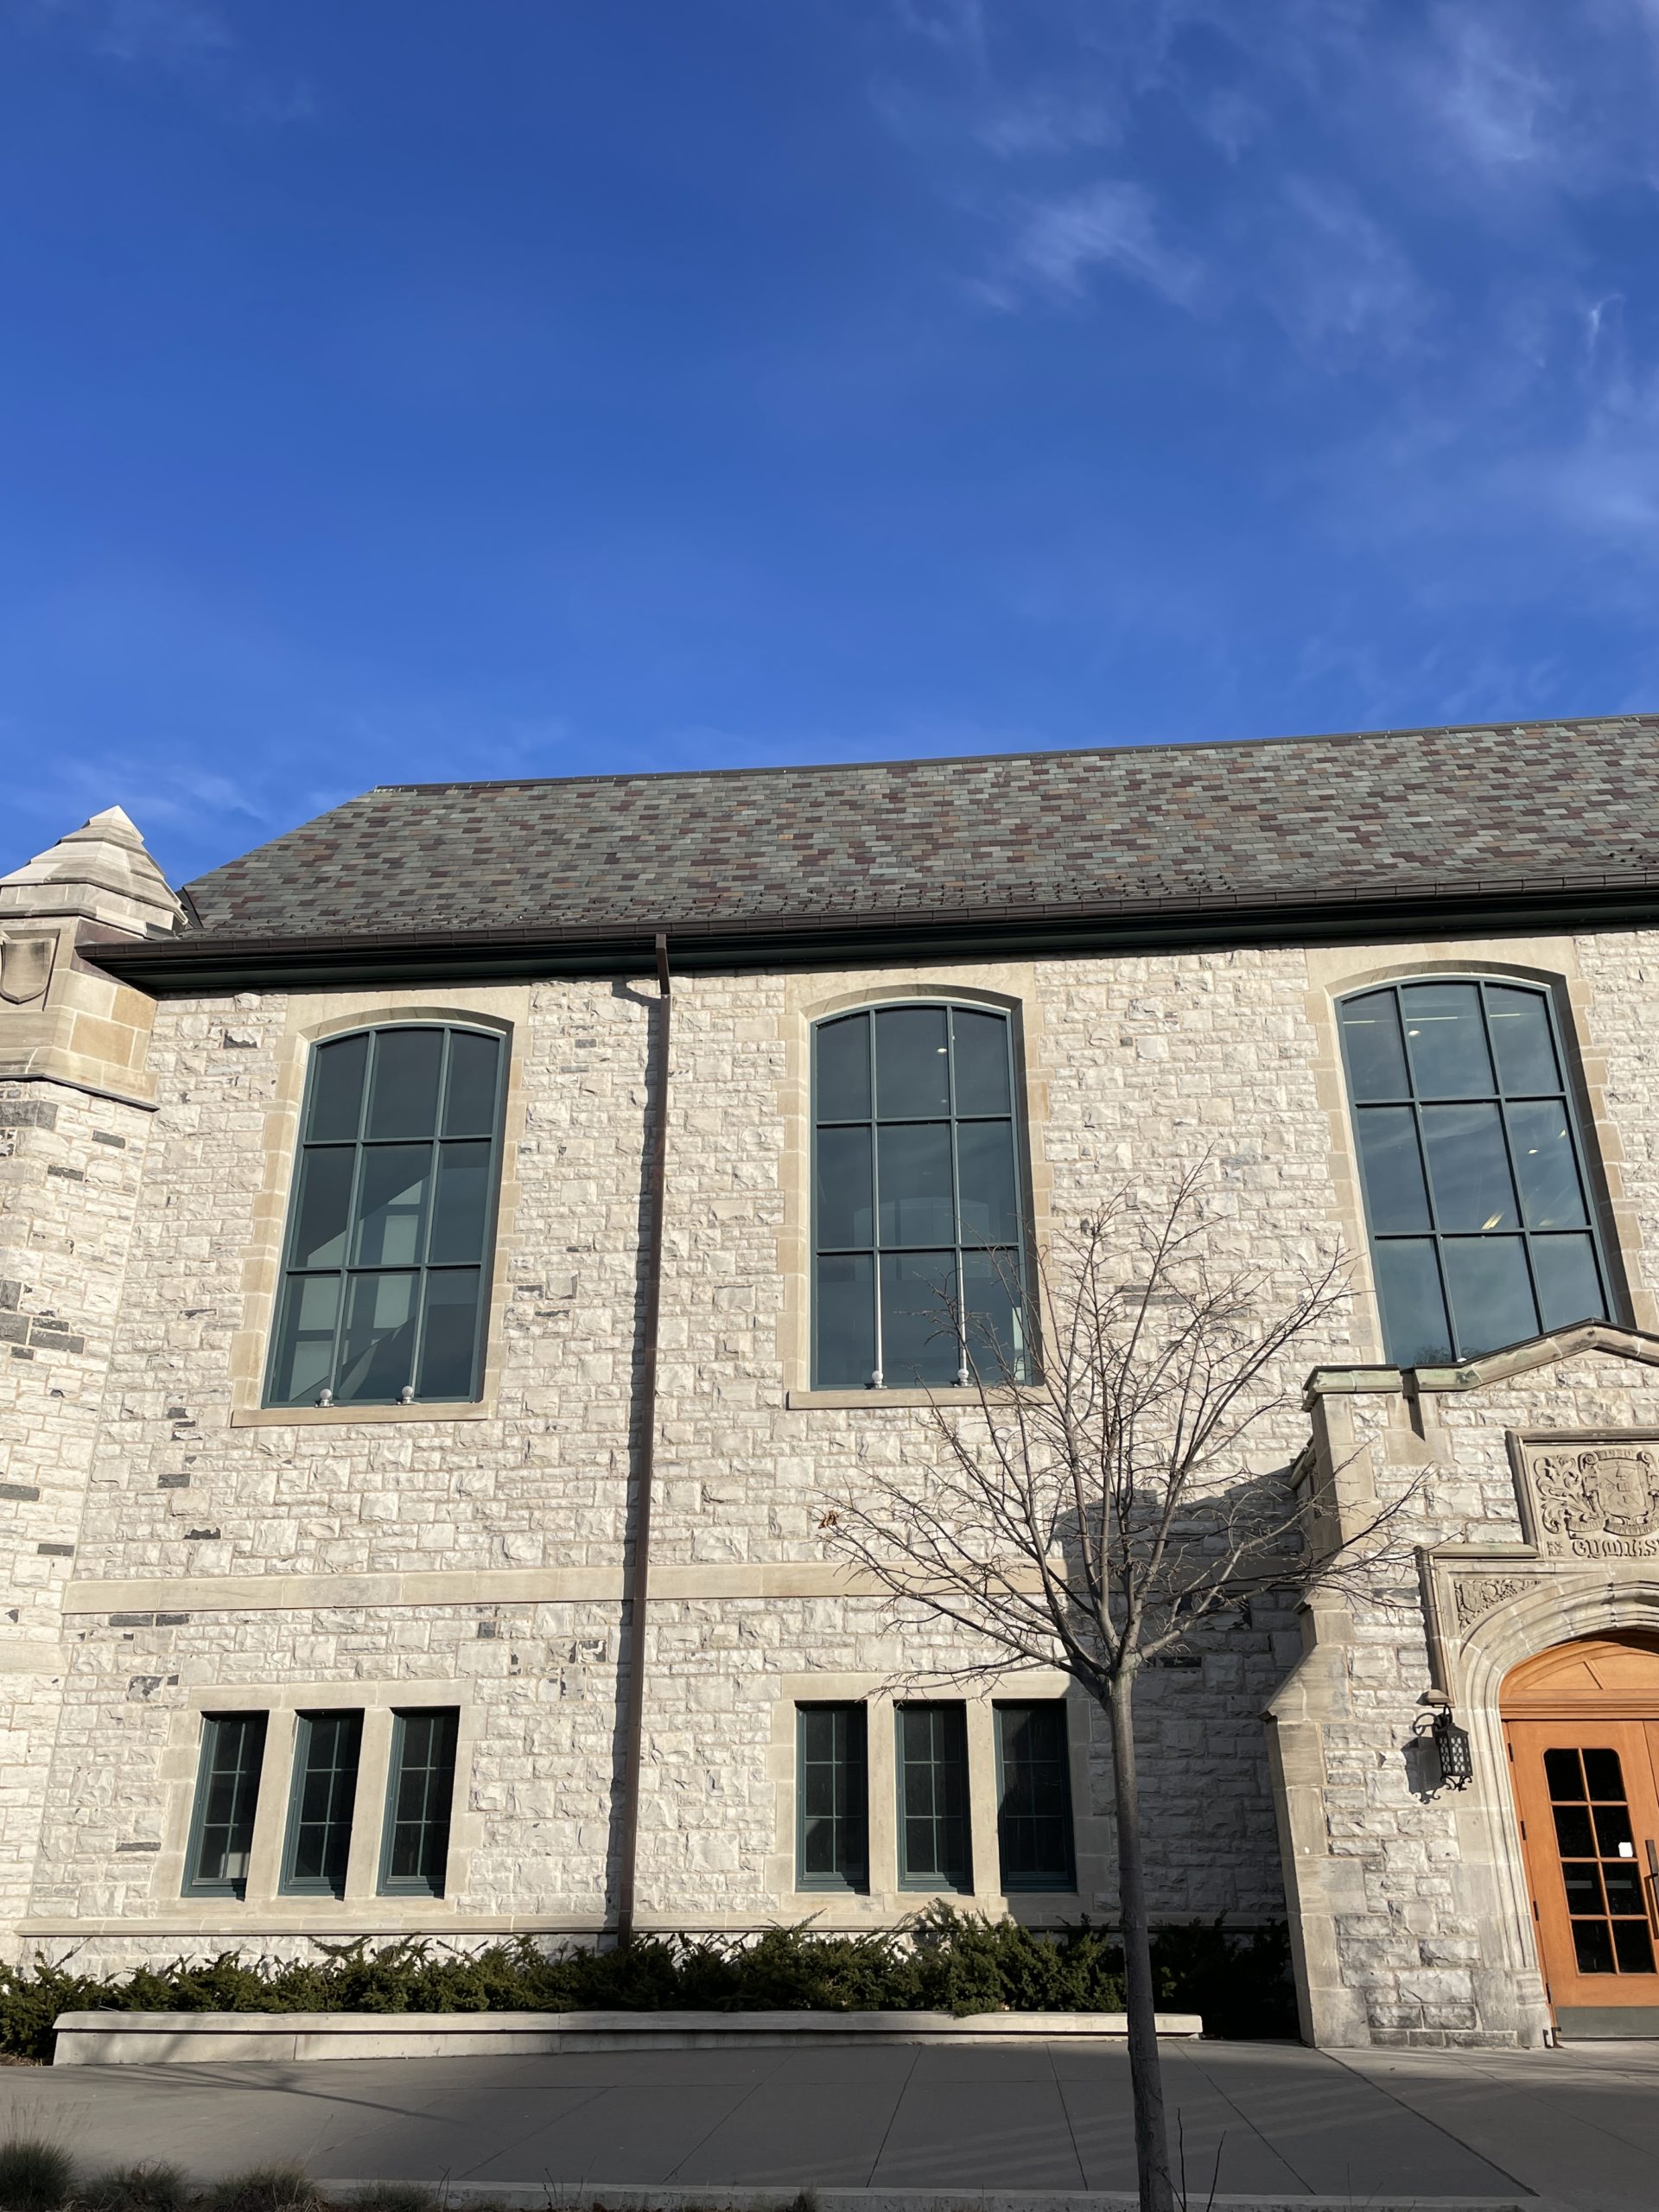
pixel 1150 839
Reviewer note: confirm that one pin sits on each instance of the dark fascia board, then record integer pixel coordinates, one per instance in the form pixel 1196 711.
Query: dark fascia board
pixel 205 962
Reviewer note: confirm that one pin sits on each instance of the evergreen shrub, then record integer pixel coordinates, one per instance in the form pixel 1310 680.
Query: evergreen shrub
pixel 940 1960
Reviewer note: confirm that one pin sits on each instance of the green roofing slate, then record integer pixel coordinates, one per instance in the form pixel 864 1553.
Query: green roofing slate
pixel 1161 826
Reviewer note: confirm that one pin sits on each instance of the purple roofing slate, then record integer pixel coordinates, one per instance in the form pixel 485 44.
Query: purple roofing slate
pixel 1165 827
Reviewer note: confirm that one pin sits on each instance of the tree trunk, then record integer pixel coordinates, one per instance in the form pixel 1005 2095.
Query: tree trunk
pixel 1146 2069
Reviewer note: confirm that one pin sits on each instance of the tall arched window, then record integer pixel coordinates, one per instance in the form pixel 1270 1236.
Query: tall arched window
pixel 1481 1229
pixel 917 1225
pixel 383 1295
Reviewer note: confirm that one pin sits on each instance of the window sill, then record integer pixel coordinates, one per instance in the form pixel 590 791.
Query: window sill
pixel 350 1417
pixel 1002 1394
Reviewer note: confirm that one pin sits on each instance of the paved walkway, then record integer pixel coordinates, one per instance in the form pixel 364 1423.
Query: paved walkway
pixel 1576 2128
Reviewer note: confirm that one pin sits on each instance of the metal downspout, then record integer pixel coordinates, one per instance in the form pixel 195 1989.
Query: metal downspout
pixel 639 1576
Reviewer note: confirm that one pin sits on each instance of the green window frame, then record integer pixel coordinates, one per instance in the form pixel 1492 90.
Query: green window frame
pixel 919 1198
pixel 420 1796
pixel 226 1801
pixel 934 1838
pixel 392 1220
pixel 327 1749
pixel 1035 1844
pixel 832 1831
pixel 1479 1204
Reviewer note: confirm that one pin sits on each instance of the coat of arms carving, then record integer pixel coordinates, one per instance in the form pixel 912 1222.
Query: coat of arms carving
pixel 25 967
pixel 1599 1502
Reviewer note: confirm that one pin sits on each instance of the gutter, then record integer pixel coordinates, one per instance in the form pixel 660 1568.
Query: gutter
pixel 204 962
pixel 637 1587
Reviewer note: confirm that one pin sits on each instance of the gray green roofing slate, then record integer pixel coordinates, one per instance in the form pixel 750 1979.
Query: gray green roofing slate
pixel 1163 827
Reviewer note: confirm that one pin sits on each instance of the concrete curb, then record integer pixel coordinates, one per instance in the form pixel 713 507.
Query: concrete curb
pixel 212 2038
pixel 712 2196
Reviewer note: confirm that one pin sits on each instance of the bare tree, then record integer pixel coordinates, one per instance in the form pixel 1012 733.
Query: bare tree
pixel 1094 1510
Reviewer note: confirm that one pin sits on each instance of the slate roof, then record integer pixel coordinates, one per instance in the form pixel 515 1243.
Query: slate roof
pixel 1159 829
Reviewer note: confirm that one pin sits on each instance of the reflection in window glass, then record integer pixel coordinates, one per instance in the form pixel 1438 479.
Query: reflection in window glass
pixel 917 1225
pixel 415 1856
pixel 227 1794
pixel 383 1285
pixel 1472 1166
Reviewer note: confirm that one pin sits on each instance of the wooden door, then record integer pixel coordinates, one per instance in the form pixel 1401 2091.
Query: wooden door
pixel 1582 1726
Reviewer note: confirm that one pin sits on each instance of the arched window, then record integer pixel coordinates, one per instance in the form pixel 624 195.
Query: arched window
pixel 391 1221
pixel 1481 1229
pixel 917 1225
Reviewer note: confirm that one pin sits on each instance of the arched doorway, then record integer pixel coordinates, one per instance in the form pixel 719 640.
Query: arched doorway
pixel 1581 1725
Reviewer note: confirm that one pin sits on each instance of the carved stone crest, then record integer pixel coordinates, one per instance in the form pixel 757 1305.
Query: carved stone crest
pixel 1598 1502
pixel 1479 1594
pixel 25 967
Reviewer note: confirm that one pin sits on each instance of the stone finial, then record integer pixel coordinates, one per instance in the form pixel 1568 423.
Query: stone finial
pixel 99 873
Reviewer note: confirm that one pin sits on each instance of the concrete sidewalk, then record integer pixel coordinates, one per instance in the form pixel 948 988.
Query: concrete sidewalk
pixel 1270 2123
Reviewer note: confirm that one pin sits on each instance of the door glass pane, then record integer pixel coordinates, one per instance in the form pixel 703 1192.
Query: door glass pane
pixel 470 1099
pixel 1622 1880
pixel 1544 1165
pixel 1520 1039
pixel 379 1350
pixel 1469 1167
pixel 392 1197
pixel 991 1205
pixel 1592 1942
pixel 919 1335
pixel 337 1090
pixel 404 1087
pixel 305 1338
pixel 1603 1774
pixel 1393 1169
pixel 843 1321
pixel 1583 1881
pixel 1575 1837
pixel 449 1334
pixel 911 1062
pixel 982 1062
pixel 460 1207
pixel 994 1315
pixel 1414 1313
pixel 1491 1298
pixel 913 1167
pixel 1632 1946
pixel 1377 1056
pixel 1569 1281
pixel 1614 1838
pixel 1446 1040
pixel 1565 1775
pixel 841 1195
pixel 842 1084
pixel 321 1206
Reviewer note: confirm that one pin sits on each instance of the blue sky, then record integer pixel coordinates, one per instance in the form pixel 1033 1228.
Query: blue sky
pixel 395 389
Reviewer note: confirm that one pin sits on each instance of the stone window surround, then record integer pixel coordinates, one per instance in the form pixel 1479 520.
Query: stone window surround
pixel 1551 964
pixel 1009 989
pixel 313 1017
pixel 362 1904
pixel 885 1902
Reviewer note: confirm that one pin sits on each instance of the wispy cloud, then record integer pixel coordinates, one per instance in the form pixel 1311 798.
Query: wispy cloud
pixel 1111 225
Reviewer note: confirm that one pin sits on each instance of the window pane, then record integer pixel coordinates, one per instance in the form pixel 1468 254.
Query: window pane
pixel 403 1090
pixel 233 1750
pixel 422 1787
pixel 932 1741
pixel 470 1099
pixel 1446 1040
pixel 305 1339
pixel 982 1062
pixel 325 1750
pixel 1376 1058
pixel 391 1196
pixel 462 1206
pixel 914 1166
pixel 1469 1167
pixel 842 1083
pixel 919 1335
pixel 337 1089
pixel 1565 1776
pixel 1034 1806
pixel 1393 1169
pixel 1491 1298
pixel 450 1336
pixel 378 1349
pixel 321 1206
pixel 832 1782
pixel 1544 1165
pixel 990 1202
pixel 1604 1775
pixel 1593 1946
pixel 843 1321
pixel 994 1316
pixel 1575 1837
pixel 1414 1313
pixel 912 1077
pixel 1520 1039
pixel 1633 1945
pixel 842 1204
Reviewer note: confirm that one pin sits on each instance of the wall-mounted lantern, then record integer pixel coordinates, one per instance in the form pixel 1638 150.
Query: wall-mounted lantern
pixel 1451 1744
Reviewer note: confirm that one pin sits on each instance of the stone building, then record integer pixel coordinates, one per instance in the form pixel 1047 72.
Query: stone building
pixel 411 1467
